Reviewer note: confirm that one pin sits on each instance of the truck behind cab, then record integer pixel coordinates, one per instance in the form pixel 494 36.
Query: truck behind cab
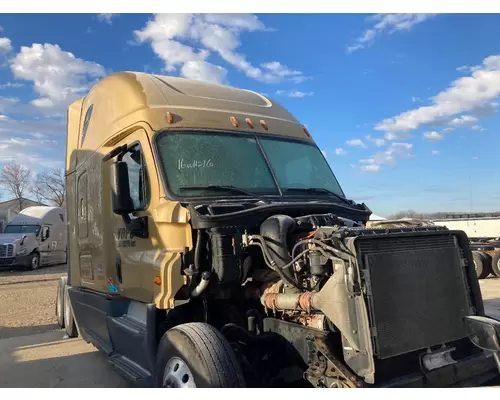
pixel 211 245
pixel 35 237
pixel 483 231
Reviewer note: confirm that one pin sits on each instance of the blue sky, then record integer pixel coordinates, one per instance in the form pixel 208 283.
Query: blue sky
pixel 404 105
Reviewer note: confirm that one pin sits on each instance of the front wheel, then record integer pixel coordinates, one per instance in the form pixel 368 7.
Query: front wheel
pixel 34 262
pixel 196 355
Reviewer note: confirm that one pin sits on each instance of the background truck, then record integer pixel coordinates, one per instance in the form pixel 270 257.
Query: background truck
pixel 37 236
pixel 211 245
pixel 483 231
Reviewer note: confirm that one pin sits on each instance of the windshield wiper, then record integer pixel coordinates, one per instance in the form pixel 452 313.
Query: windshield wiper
pixel 319 190
pixel 229 188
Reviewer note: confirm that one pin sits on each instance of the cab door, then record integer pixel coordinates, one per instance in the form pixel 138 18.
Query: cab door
pixel 135 257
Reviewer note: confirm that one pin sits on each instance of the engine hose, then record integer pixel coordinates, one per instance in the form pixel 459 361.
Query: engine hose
pixel 200 247
pixel 275 268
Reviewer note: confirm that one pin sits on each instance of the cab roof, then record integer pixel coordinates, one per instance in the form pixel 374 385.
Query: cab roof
pixel 161 102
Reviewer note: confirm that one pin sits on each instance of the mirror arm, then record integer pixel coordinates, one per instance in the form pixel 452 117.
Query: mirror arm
pixel 137 226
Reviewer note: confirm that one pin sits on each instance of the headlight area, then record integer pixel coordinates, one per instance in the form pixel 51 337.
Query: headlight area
pixel 22 251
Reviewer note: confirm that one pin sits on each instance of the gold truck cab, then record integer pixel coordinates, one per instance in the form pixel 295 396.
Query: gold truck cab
pixel 210 245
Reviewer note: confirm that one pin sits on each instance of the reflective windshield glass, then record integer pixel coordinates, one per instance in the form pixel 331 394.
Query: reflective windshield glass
pixel 194 159
pixel 22 229
pixel 299 165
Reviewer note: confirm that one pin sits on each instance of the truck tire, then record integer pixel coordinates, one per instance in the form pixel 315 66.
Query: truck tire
pixel 196 355
pixel 69 318
pixel 495 264
pixel 480 265
pixel 34 262
pixel 61 289
pixel 487 261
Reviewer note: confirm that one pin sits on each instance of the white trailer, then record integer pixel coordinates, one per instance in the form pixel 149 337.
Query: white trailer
pixel 35 237
pixel 483 231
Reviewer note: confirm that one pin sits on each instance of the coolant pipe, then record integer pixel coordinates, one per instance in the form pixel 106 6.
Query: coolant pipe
pixel 200 288
pixel 289 301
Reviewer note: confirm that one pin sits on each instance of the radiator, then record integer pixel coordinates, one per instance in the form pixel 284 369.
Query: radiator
pixel 416 289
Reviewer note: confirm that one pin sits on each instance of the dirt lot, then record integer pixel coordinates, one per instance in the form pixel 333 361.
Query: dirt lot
pixel 33 352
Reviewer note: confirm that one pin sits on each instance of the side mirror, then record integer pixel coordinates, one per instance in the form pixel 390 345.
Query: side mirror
pixel 120 189
pixel 484 332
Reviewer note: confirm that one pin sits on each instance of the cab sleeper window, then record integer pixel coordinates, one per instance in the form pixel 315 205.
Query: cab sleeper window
pixel 201 159
pixel 138 177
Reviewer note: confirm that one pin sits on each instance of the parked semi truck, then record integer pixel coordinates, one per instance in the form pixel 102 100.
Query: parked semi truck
pixel 210 245
pixel 35 237
pixel 483 231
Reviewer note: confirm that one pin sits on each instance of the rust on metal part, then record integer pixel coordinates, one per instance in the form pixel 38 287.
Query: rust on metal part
pixel 170 117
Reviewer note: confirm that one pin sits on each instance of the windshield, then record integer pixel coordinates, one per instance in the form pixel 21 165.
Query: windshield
pixel 194 161
pixel 22 229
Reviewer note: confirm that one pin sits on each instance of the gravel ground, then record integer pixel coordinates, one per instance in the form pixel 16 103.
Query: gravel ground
pixel 27 301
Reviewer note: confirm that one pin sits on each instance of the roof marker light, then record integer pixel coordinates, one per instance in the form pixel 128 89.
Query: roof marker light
pixel 234 121
pixel 157 280
pixel 170 117
pixel 249 122
pixel 263 123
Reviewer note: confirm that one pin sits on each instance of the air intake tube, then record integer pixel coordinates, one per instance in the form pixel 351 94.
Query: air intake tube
pixel 274 231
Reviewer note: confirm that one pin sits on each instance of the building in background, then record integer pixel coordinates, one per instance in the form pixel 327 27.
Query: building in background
pixel 10 208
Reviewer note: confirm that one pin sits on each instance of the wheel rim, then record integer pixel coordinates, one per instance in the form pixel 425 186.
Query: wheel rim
pixel 67 312
pixel 178 375
pixel 34 262
pixel 59 306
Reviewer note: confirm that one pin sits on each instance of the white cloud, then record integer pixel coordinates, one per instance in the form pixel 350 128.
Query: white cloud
pixel 5 45
pixel 58 76
pixel 416 99
pixel 465 94
pixel 463 120
pixel 433 136
pixel 107 18
pixel 393 152
pixel 379 142
pixel 16 149
pixel 355 143
pixel 10 127
pixel 370 168
pixel 11 85
pixel 294 93
pixel 203 34
pixel 435 152
pixel 340 151
pixel 388 23
pixel 7 103
pixel 1 28
pixel 446 130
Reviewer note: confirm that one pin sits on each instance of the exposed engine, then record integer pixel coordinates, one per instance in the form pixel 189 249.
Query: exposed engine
pixel 379 294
